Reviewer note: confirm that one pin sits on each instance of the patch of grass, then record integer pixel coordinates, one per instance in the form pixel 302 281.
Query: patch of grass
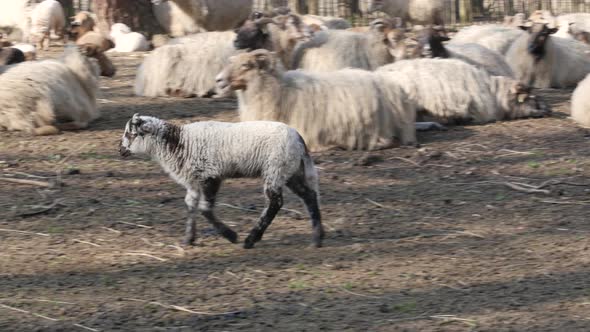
pixel 94 155
pixel 348 286
pixel 534 164
pixel 55 230
pixel 405 307
pixel 297 284
pixel 500 197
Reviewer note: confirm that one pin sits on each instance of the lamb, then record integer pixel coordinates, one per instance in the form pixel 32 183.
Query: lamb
pixel 542 61
pixel 474 54
pixel 126 40
pixel 425 12
pixel 453 91
pixel 581 103
pixel 200 155
pixel 182 17
pixel 348 108
pixel 10 55
pixel 185 69
pixel 46 17
pixel 492 36
pixel 280 34
pixel 44 97
pixel 337 49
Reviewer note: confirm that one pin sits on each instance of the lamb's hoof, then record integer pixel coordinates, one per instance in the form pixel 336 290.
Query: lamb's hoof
pixel 230 235
pixel 248 244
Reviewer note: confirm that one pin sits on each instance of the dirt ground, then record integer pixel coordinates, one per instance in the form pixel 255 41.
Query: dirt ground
pixel 428 239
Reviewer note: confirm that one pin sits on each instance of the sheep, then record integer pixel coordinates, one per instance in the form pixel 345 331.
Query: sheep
pixel 474 54
pixel 46 17
pixel 280 34
pixel 413 11
pixel 580 20
pixel 185 69
pixel 348 108
pixel 581 103
pixel 182 17
pixel 45 97
pixel 128 41
pixel 14 20
pixel 337 49
pixel 200 155
pixel 10 55
pixel 541 61
pixel 95 38
pixel 492 36
pixel 453 91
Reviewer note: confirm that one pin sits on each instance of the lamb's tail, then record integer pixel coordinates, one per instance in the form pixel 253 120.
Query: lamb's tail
pixel 309 171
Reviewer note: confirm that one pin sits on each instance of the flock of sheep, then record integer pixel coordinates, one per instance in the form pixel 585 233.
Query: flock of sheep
pixel 333 85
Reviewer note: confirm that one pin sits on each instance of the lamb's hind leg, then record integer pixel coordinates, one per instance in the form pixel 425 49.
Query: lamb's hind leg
pixel 192 200
pixel 274 202
pixel 209 189
pixel 309 196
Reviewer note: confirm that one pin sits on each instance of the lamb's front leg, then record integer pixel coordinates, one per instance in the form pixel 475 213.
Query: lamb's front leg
pixel 192 200
pixel 209 189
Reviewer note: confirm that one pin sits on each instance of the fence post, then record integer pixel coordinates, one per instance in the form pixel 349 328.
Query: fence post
pixel 295 6
pixel 465 11
pixel 313 7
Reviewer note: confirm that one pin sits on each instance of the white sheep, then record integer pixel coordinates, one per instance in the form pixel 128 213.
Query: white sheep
pixel 182 17
pixel 337 49
pixel 200 155
pixel 539 60
pixel 495 37
pixel 128 41
pixel 185 69
pixel 47 17
pixel 15 19
pixel 425 12
pixel 44 97
pixel 474 54
pixel 581 103
pixel 348 108
pixel 453 91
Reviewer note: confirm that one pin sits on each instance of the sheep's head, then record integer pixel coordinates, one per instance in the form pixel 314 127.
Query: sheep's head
pixel 243 68
pixel 104 63
pixel 393 34
pixel 430 43
pixel 255 35
pixel 524 104
pixel 135 139
pixel 81 24
pixel 539 33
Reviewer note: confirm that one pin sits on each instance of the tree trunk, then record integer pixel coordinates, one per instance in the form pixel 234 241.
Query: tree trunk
pixel 313 7
pixel 465 12
pixel 136 14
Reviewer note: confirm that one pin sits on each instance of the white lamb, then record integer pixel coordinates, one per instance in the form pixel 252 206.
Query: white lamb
pixel 453 91
pixel 581 103
pixel 348 108
pixel 126 40
pixel 199 156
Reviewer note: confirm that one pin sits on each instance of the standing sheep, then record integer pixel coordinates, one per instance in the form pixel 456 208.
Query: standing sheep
pixel 337 49
pixel 541 61
pixel 454 91
pixel 348 108
pixel 44 97
pixel 185 69
pixel 495 37
pixel 581 103
pixel 414 11
pixel 182 17
pixel 199 156
pixel 46 17
pixel 128 41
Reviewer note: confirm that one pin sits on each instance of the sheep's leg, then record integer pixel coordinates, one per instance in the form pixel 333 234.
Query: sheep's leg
pixel 309 196
pixel 209 189
pixel 192 200
pixel 274 202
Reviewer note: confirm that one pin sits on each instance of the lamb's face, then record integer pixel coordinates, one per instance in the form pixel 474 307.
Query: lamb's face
pixel 524 104
pixel 135 139
pixel 245 67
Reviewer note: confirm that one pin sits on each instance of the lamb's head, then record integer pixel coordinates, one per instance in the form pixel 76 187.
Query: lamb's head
pixel 256 34
pixel 246 67
pixel 138 136
pixel 539 33
pixel 104 63
pixel 81 23
pixel 393 35
pixel 524 104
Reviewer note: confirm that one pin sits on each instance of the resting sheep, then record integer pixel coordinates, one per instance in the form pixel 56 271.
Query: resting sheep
pixel 541 61
pixel 474 54
pixel 348 108
pixel 182 17
pixel 337 49
pixel 46 17
pixel 425 12
pixel 495 37
pixel 581 103
pixel 185 69
pixel 453 91
pixel 128 41
pixel 200 155
pixel 44 97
